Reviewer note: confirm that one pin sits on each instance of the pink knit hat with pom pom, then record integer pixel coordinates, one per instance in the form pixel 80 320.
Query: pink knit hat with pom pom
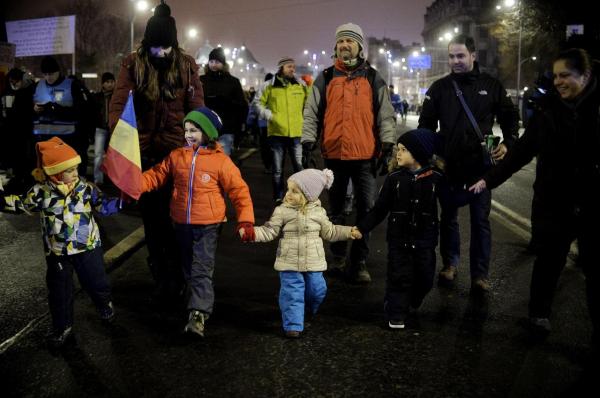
pixel 312 182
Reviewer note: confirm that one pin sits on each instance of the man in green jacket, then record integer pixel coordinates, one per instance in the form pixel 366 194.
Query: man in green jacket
pixel 282 103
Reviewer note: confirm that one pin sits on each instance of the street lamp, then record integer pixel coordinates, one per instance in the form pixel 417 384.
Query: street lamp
pixel 140 6
pixel 517 4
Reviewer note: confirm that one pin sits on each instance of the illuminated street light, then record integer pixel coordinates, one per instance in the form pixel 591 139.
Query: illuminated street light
pixel 448 36
pixel 192 33
pixel 140 6
pixel 305 52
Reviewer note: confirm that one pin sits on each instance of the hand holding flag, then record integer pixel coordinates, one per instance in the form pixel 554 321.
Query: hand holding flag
pixel 122 162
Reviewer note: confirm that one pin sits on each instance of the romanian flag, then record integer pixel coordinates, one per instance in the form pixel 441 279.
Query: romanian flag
pixel 123 160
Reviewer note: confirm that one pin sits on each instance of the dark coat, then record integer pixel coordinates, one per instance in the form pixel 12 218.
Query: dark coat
pixel 223 94
pixel 102 103
pixel 565 136
pixel 410 201
pixel 487 100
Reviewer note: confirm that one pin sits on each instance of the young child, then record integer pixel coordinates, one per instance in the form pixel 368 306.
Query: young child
pixel 201 172
pixel 70 233
pixel 408 196
pixel 300 255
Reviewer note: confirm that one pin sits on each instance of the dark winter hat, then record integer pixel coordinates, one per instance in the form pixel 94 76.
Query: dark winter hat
pixel 106 76
pixel 15 74
pixel 421 143
pixel 208 121
pixel 49 65
pixel 217 54
pixel 160 29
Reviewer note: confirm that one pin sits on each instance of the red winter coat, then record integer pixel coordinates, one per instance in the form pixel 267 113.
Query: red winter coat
pixel 200 179
pixel 159 122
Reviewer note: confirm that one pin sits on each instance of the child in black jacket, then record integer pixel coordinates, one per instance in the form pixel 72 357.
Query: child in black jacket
pixel 408 196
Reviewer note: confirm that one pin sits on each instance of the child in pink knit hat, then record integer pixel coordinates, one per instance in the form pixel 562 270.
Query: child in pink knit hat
pixel 301 256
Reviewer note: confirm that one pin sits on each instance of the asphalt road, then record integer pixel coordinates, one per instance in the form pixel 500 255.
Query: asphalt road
pixel 458 345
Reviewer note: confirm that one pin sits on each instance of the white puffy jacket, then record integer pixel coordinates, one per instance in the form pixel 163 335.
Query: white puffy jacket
pixel 301 247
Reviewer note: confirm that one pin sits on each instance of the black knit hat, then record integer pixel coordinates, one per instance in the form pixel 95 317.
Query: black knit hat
pixel 49 65
pixel 217 54
pixel 106 76
pixel 160 29
pixel 421 143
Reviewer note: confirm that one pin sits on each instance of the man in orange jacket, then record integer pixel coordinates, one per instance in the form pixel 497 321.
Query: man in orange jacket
pixel 349 110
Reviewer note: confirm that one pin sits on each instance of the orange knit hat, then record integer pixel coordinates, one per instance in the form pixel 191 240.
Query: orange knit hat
pixel 53 157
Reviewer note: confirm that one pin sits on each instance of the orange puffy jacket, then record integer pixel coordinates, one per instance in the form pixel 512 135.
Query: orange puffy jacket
pixel 200 178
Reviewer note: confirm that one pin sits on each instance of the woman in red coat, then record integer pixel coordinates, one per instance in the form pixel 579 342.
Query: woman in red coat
pixel 165 85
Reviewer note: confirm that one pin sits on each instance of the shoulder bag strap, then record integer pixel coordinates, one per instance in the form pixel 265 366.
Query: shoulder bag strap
pixel 467 110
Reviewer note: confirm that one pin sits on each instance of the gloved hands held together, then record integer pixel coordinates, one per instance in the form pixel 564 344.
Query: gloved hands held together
pixel 246 231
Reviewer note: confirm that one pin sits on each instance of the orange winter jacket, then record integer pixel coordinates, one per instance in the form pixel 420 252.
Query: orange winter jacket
pixel 200 179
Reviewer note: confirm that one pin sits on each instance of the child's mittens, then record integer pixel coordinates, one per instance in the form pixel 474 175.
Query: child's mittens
pixel 355 233
pixel 246 231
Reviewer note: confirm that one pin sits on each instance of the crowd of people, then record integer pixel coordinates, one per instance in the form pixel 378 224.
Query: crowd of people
pixel 189 123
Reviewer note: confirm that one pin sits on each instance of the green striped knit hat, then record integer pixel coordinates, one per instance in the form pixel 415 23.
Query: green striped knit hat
pixel 208 121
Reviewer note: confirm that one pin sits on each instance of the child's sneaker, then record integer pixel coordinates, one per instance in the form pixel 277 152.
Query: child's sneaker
pixel 58 339
pixel 108 314
pixel 396 324
pixel 292 334
pixel 195 323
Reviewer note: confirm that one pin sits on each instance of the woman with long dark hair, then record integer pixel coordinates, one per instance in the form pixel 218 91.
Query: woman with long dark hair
pixel 166 86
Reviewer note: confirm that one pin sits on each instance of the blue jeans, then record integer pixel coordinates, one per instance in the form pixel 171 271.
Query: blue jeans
pixel 279 146
pixel 198 245
pixel 226 141
pixel 364 185
pixel 99 143
pixel 89 267
pixel 299 290
pixel 451 199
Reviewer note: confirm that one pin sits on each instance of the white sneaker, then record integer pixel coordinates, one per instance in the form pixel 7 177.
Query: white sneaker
pixel 396 324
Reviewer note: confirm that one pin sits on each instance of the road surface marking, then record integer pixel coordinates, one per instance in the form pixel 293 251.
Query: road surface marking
pixel 111 258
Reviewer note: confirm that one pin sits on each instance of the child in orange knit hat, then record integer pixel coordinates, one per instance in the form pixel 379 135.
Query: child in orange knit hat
pixel 70 233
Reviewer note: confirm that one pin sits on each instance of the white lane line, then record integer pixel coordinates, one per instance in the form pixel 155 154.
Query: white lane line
pixel 127 245
pixel 512 214
pixel 513 227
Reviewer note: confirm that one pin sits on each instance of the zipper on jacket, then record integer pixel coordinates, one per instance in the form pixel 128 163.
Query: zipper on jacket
pixel 188 210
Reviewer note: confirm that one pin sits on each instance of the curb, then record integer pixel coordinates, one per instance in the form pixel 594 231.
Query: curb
pixel 113 259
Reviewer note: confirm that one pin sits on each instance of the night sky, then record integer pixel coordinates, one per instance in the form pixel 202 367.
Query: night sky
pixel 270 28
pixel 274 28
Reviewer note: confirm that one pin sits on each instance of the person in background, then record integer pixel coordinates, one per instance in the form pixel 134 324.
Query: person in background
pixel 265 151
pixel 223 94
pixel 102 101
pixel 17 126
pixel 59 104
pixel 281 104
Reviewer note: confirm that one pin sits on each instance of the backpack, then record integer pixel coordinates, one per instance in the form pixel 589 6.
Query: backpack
pixel 328 76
